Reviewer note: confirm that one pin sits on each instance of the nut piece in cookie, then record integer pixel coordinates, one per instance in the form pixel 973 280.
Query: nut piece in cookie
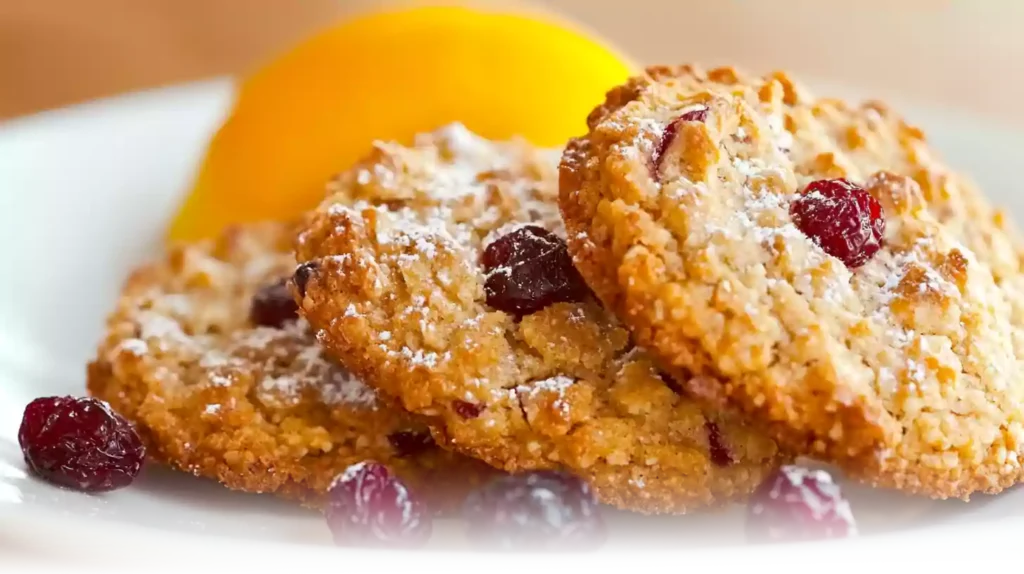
pixel 207 355
pixel 443 280
pixel 816 267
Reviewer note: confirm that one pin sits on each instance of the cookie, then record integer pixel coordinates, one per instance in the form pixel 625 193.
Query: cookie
pixel 206 354
pixel 439 274
pixel 814 265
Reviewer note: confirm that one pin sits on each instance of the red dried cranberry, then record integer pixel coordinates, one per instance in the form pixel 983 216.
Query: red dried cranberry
pixel 720 454
pixel 529 269
pixel 535 510
pixel 796 504
pixel 273 306
pixel 80 443
pixel 410 443
pixel 717 449
pixel 466 409
pixel 842 218
pixel 303 273
pixel 672 131
pixel 369 506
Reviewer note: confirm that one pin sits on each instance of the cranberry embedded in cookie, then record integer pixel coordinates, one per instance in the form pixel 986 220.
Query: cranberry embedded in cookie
pixel 842 218
pixel 814 266
pixel 410 443
pixel 720 454
pixel 668 137
pixel 466 409
pixel 273 305
pixel 302 275
pixel 443 280
pixel 528 269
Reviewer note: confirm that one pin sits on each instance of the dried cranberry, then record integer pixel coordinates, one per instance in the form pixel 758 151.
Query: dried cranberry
pixel 410 443
pixel 529 269
pixel 672 131
pixel 720 454
pixel 842 218
pixel 273 306
pixel 796 504
pixel 466 409
pixel 535 510
pixel 80 443
pixel 368 505
pixel 716 446
pixel 303 273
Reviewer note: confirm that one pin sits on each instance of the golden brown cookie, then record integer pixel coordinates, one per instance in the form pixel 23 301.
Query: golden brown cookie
pixel 206 354
pixel 815 265
pixel 438 274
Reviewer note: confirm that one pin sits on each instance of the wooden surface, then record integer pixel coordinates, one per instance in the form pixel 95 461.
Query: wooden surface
pixel 958 53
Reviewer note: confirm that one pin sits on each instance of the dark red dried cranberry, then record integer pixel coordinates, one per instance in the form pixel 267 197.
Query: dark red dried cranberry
pixel 80 443
pixel 273 306
pixel 466 409
pixel 410 443
pixel 796 504
pixel 369 506
pixel 842 218
pixel 535 510
pixel 529 269
pixel 672 131
pixel 302 275
pixel 720 454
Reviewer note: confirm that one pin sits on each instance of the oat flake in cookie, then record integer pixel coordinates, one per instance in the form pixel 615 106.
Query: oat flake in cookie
pixel 438 273
pixel 205 353
pixel 816 265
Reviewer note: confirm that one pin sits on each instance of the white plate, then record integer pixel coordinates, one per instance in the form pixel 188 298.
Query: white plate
pixel 86 193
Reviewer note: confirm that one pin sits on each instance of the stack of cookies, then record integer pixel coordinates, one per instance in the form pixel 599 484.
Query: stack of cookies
pixel 725 274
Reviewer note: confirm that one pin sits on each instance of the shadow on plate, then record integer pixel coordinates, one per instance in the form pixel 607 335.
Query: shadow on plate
pixel 187 491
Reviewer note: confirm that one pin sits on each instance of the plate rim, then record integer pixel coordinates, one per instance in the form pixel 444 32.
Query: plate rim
pixel 144 546
pixel 84 539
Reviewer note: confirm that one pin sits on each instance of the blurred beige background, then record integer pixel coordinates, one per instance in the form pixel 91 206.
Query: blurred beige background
pixel 963 53
pixel 957 53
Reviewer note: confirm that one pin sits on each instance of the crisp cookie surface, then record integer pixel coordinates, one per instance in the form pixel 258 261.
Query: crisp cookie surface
pixel 906 371
pixel 396 290
pixel 257 408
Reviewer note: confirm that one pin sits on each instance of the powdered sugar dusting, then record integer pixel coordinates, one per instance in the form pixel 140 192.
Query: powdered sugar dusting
pixel 646 133
pixel 759 215
pixel 351 473
pixel 310 369
pixel 448 169
pixel 136 347
pixel 418 357
pixel 164 330
pixel 558 385
pixel 457 192
pixel 342 388
pixel 783 138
